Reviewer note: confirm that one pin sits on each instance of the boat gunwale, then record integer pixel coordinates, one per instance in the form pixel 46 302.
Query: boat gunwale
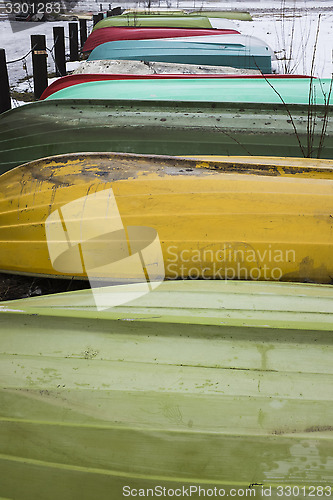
pixel 150 103
pixel 157 314
pixel 198 164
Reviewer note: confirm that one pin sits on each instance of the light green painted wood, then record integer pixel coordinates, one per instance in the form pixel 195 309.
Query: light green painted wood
pixel 248 304
pixel 205 383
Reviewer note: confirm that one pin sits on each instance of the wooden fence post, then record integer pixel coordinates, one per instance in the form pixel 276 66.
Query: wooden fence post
pixel 116 11
pixel 97 18
pixel 83 32
pixel 59 50
pixel 73 42
pixel 39 64
pixel 5 102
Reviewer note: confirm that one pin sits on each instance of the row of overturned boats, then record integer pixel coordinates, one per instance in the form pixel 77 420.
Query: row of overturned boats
pixel 196 203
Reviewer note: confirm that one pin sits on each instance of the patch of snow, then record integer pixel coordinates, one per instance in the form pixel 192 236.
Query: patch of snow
pixel 142 68
pixel 16 103
pixel 72 65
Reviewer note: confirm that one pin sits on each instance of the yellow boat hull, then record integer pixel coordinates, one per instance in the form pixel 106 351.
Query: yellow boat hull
pixel 222 218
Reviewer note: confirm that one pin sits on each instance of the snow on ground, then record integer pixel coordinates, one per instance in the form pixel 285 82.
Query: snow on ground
pixel 290 28
pixel 17 44
pixel 294 38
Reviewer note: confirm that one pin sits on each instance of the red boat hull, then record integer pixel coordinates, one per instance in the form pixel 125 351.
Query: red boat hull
pixel 68 81
pixel 113 34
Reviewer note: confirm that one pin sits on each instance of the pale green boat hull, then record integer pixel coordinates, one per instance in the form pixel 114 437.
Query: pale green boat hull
pixel 226 14
pixel 217 384
pixel 232 14
pixel 171 21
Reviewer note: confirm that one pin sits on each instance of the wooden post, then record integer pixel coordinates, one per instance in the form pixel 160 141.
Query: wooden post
pixel 97 18
pixel 39 64
pixel 5 102
pixel 100 7
pixel 73 42
pixel 116 11
pixel 83 32
pixel 59 50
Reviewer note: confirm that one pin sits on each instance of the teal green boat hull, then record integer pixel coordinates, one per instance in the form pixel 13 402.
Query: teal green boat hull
pixel 202 384
pixel 233 54
pixel 241 90
pixel 49 128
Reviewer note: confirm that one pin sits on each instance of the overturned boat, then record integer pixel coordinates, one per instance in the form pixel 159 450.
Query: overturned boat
pixel 166 21
pixel 81 215
pixel 224 385
pixel 237 51
pixel 227 14
pixel 112 34
pixel 75 79
pixel 55 127
pixel 263 90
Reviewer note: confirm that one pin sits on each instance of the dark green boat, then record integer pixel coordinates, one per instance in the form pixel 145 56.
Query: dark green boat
pixel 55 127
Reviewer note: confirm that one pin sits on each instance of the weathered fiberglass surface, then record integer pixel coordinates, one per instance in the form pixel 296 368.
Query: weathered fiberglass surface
pixel 269 219
pixel 56 127
pixel 218 384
